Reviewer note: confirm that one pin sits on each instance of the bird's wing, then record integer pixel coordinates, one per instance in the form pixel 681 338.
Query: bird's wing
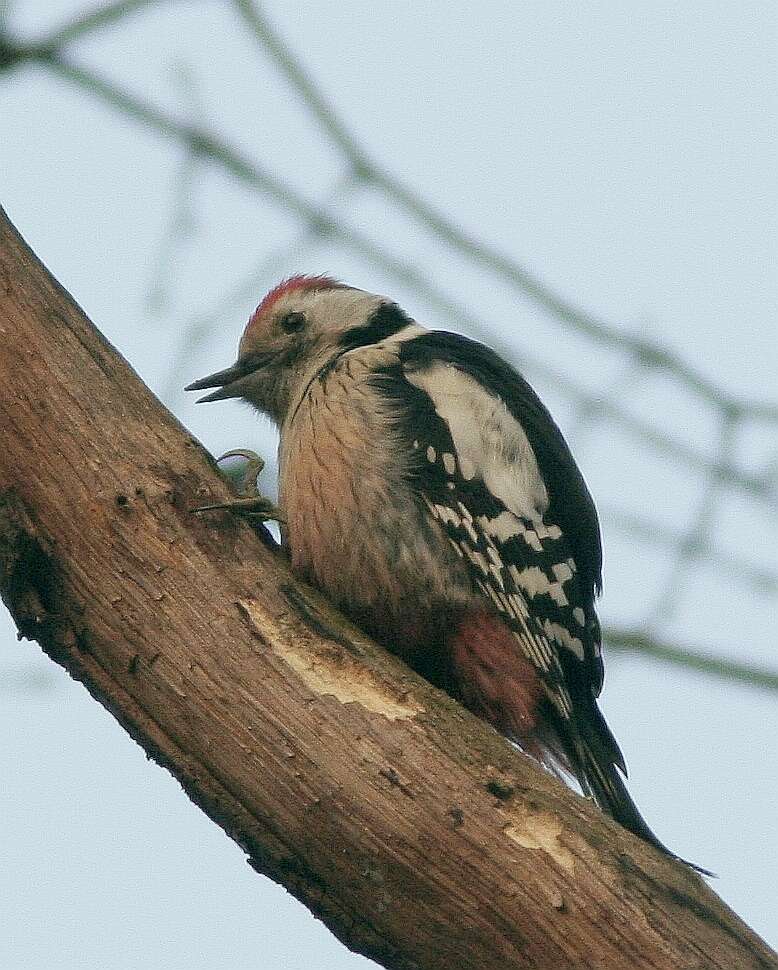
pixel 489 464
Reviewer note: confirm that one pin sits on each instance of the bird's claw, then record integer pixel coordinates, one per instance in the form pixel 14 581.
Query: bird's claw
pixel 250 501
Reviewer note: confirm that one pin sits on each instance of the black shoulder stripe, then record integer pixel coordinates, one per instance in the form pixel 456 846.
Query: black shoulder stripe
pixel 385 321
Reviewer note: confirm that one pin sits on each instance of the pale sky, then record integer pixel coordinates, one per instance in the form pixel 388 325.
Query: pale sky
pixel 624 153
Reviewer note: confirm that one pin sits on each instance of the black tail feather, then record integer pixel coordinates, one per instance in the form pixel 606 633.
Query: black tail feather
pixel 599 763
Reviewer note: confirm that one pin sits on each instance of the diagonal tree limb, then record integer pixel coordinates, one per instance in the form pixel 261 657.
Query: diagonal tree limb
pixel 95 19
pixel 639 643
pixel 420 837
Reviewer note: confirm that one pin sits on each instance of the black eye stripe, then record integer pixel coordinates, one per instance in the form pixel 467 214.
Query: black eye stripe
pixel 292 322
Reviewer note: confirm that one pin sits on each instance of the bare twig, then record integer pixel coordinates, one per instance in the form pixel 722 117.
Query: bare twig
pixel 697 536
pixel 102 16
pixel 199 327
pixel 742 570
pixel 181 223
pixel 476 250
pixel 636 641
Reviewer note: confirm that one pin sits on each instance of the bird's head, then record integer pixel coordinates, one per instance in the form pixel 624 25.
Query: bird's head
pixel 298 328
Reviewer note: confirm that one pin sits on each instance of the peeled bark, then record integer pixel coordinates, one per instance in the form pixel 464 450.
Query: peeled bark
pixel 420 837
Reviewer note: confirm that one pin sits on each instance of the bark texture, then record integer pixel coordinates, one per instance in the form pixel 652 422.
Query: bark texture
pixel 420 837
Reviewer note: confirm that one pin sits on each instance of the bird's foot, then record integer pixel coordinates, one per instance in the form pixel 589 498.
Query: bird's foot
pixel 243 475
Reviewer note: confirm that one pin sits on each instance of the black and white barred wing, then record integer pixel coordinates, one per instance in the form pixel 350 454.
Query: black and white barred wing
pixel 479 476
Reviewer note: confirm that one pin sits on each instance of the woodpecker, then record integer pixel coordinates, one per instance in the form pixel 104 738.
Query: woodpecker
pixel 426 490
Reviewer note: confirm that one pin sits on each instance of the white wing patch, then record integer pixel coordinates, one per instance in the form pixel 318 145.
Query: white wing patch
pixel 534 581
pixel 555 631
pixel 488 440
pixel 503 526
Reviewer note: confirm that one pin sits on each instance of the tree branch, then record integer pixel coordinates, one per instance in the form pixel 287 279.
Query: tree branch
pixel 419 836
pixel 93 20
pixel 643 644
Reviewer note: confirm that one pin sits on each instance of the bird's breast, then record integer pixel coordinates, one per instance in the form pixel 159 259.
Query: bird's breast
pixel 354 527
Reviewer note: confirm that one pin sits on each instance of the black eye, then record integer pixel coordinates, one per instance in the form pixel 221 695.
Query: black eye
pixel 292 322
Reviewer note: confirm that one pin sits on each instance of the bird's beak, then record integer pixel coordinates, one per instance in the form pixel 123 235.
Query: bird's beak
pixel 232 382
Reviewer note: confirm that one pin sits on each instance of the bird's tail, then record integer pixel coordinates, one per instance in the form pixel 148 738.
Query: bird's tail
pixel 601 773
